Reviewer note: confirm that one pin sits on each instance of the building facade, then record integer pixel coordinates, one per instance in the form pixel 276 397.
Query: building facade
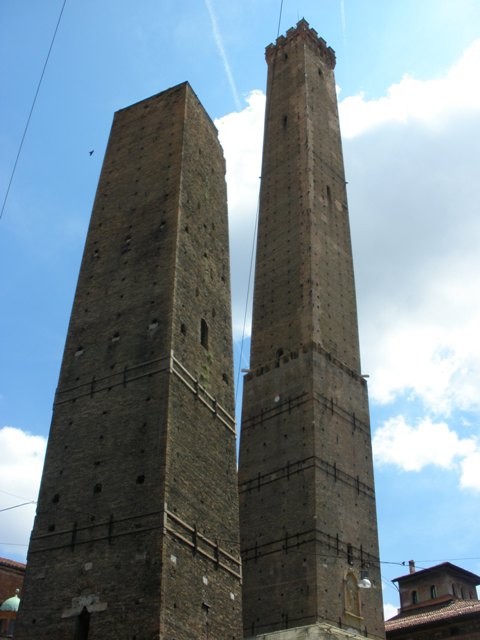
pixel 307 500
pixel 11 577
pixel 136 532
pixel 11 582
pixel 438 602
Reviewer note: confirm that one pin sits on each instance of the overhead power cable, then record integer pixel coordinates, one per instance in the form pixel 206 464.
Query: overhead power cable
pixel 14 495
pixel 15 506
pixel 252 256
pixel 31 109
pixel 280 18
pixel 251 260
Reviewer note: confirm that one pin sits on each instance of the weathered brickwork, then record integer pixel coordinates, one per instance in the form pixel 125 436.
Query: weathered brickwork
pixel 136 534
pixel 307 501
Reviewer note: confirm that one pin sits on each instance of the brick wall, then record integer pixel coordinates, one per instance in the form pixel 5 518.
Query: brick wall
pixel 141 456
pixel 307 502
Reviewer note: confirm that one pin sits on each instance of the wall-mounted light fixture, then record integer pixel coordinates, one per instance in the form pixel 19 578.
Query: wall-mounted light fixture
pixel 364 582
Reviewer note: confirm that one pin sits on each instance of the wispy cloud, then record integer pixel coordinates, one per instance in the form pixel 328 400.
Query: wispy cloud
pixel 222 52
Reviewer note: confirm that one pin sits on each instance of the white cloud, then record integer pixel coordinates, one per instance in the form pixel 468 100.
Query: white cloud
pixel 431 102
pixel 241 136
pixel 412 448
pixel 470 466
pixel 412 166
pixel 389 610
pixel 21 464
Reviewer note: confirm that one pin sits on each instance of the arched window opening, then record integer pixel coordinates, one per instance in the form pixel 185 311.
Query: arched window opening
pixel 83 625
pixel 433 591
pixel 414 597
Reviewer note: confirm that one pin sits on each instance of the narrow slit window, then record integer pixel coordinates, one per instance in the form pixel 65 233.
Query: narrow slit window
pixel 349 554
pixel 278 355
pixel 204 333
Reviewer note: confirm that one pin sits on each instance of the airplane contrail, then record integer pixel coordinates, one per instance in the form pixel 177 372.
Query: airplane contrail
pixel 223 55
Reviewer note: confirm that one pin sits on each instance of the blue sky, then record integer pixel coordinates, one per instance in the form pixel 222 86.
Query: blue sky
pixel 409 94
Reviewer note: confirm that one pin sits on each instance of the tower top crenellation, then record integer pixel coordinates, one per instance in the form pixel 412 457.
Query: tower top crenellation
pixel 304 32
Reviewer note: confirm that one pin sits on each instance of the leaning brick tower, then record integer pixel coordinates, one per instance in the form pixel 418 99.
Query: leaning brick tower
pixel 307 501
pixel 136 533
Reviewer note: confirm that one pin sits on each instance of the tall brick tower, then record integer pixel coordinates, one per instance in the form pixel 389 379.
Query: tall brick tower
pixel 307 501
pixel 136 534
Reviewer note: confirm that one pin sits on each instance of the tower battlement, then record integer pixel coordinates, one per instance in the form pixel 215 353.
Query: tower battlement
pixel 304 32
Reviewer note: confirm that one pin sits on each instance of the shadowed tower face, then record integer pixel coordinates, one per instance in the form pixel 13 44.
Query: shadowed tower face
pixel 307 502
pixel 136 534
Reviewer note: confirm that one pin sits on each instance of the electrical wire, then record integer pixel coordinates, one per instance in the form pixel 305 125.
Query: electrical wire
pixel 31 110
pixel 15 506
pixel 251 261
pixel 280 18
pixel 14 495
pixel 237 386
pixel 384 562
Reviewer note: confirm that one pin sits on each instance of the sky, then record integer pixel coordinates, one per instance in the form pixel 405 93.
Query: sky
pixel 409 99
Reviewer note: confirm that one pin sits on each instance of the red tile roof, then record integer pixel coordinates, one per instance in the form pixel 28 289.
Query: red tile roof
pixel 453 610
pixel 442 568
pixel 12 564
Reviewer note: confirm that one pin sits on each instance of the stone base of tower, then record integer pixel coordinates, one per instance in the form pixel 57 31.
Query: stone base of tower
pixel 317 631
